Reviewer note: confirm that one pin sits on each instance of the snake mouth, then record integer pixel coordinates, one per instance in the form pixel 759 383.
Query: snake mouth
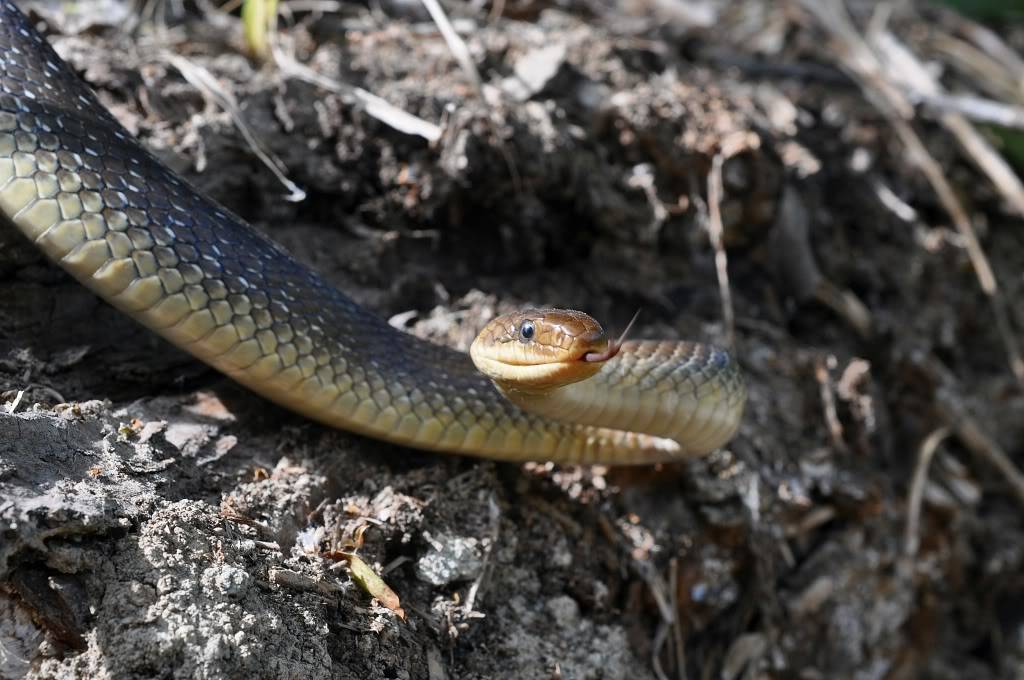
pixel 612 348
pixel 605 355
pixel 563 347
pixel 540 376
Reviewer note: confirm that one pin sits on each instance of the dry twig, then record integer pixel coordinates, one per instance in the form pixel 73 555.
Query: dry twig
pixel 660 637
pixel 822 369
pixel 978 109
pixel 677 627
pixel 862 63
pixel 207 84
pixel 456 44
pixel 925 453
pixel 798 269
pixel 716 236
pixel 907 70
pixel 989 47
pixel 971 435
pixel 460 51
pixel 955 416
pixel 387 113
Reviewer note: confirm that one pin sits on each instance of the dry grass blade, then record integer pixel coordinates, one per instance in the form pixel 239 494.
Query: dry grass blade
pixel 716 235
pixel 387 113
pixel 860 61
pixel 494 513
pixel 925 454
pixel 987 41
pixel 907 70
pixel 978 109
pixel 956 417
pixel 826 390
pixel 977 66
pixel 971 435
pixel 847 305
pixel 460 51
pixel 677 626
pixel 204 81
pixel 377 108
pixel 13 406
pixel 374 585
pixel 660 637
pixel 456 44
pixel 660 592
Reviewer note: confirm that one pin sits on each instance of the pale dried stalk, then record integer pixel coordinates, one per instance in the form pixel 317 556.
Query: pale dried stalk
pixel 456 44
pixel 716 234
pixel 207 84
pixel 856 57
pixel 925 453
pixel 970 434
pixel 378 108
pixel 904 68
pixel 977 109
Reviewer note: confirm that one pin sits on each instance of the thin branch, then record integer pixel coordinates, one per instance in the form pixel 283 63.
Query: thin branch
pixel 978 109
pixel 456 44
pixel 925 453
pixel 677 624
pixel 991 44
pixel 860 61
pixel 971 435
pixel 716 236
pixel 460 51
pixel 905 69
pixel 378 108
pixel 828 402
pixel 207 84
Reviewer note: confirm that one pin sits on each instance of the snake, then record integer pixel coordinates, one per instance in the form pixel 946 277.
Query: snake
pixel 108 212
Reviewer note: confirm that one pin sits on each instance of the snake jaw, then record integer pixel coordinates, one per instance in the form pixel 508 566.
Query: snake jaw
pixel 533 378
pixel 563 347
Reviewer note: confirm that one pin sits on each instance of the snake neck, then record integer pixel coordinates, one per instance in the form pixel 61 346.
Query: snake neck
pixel 695 406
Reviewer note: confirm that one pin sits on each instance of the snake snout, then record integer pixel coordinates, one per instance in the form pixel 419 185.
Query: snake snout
pixel 561 347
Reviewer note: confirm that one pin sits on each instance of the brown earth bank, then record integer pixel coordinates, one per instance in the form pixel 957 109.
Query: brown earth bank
pixel 158 521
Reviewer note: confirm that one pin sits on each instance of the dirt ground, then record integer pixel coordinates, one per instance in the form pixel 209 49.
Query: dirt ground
pixel 157 520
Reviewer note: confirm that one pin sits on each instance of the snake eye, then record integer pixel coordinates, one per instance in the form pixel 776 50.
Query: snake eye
pixel 526 331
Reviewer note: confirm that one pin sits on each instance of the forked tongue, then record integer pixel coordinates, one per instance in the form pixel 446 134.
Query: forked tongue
pixel 613 347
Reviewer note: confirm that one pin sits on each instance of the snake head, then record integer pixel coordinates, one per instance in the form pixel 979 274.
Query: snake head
pixel 536 350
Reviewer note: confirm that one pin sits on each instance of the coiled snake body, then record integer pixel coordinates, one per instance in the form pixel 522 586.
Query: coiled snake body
pixel 80 188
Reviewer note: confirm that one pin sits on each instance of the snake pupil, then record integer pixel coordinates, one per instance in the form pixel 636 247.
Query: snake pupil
pixel 526 331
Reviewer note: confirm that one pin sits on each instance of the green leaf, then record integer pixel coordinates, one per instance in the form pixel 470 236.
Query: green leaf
pixel 259 18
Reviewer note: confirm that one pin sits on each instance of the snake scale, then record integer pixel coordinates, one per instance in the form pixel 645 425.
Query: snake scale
pixel 82 190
